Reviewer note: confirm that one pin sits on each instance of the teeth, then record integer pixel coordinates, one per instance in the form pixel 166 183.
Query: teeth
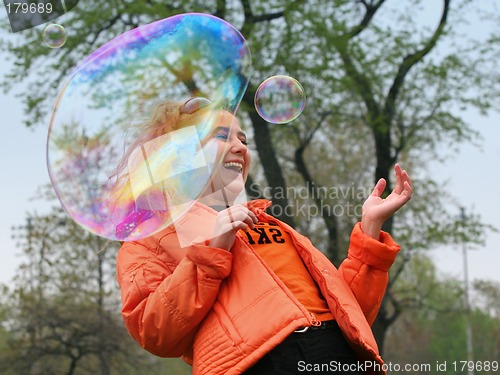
pixel 234 165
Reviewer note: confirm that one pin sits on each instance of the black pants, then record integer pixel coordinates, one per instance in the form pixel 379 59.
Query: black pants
pixel 316 351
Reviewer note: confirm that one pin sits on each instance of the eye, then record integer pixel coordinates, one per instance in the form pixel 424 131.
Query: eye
pixel 221 134
pixel 244 141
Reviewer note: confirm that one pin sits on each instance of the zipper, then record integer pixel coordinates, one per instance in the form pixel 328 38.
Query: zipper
pixel 314 321
pixel 227 324
pixel 311 266
pixel 308 315
pixel 311 317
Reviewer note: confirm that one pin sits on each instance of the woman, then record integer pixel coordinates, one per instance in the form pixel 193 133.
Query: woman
pixel 247 293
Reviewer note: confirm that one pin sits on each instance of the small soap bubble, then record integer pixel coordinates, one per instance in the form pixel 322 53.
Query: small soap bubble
pixel 280 99
pixel 54 36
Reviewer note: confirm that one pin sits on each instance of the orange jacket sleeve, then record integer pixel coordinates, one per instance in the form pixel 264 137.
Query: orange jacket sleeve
pixel 162 304
pixel 366 269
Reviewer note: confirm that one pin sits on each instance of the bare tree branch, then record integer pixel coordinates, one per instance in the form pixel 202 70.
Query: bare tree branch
pixel 371 9
pixel 330 221
pixel 398 272
pixel 410 60
pixel 110 24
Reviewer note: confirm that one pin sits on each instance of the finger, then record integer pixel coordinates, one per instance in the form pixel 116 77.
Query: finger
pixel 249 221
pixel 238 208
pixel 242 214
pixel 403 198
pixel 379 188
pixel 399 179
pixel 408 190
pixel 237 225
pixel 406 177
pixel 231 227
pixel 234 211
pixel 253 216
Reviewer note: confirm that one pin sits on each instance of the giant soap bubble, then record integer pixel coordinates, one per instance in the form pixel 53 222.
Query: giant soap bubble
pixel 113 177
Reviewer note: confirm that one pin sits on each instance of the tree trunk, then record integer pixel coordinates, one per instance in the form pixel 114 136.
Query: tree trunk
pixel 269 161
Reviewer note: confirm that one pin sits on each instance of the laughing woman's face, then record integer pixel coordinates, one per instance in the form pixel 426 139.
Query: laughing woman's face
pixel 233 158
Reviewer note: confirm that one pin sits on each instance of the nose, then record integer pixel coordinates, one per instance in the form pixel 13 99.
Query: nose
pixel 237 147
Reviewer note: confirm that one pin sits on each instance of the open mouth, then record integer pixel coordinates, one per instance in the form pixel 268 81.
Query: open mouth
pixel 234 166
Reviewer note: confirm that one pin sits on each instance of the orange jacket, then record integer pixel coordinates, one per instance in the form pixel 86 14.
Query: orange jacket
pixel 222 311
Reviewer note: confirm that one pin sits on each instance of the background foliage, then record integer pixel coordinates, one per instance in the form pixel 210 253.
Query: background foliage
pixel 382 86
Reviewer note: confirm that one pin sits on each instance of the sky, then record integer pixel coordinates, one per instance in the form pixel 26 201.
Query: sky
pixel 471 176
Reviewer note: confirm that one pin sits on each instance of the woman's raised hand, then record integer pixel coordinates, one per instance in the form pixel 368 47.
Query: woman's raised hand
pixel 376 210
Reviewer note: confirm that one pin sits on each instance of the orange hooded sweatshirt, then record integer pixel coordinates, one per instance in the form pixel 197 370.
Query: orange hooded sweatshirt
pixel 224 310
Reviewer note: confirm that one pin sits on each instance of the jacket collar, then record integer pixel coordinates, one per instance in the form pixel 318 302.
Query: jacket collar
pixel 258 204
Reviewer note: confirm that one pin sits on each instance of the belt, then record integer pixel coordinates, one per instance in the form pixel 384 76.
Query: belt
pixel 323 325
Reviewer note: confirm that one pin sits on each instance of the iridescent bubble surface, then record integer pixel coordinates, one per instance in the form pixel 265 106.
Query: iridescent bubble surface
pixel 123 162
pixel 280 99
pixel 54 36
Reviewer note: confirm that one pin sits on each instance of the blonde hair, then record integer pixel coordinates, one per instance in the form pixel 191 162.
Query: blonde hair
pixel 166 117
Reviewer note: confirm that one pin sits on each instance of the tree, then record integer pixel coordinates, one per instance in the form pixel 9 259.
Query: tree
pixel 487 317
pixel 432 328
pixel 62 315
pixel 369 70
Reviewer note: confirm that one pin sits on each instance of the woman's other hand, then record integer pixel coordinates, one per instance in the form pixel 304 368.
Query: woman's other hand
pixel 228 222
